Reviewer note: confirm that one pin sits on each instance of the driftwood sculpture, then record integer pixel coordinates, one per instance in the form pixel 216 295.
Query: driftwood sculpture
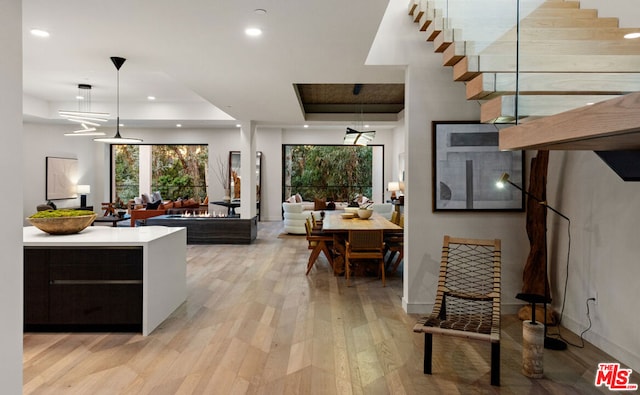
pixel 534 276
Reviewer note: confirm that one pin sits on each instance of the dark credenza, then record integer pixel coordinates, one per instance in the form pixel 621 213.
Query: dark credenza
pixel 83 288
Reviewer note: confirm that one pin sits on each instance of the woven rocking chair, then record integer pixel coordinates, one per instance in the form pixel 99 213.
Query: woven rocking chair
pixel 468 298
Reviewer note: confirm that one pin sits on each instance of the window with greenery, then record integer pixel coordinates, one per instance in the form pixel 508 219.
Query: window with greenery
pixel 337 172
pixel 174 170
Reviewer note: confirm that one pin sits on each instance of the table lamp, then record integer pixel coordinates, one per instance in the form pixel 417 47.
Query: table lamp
pixel 393 187
pixel 83 190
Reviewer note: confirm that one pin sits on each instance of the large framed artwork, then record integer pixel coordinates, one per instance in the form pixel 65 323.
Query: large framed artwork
pixel 62 177
pixel 466 166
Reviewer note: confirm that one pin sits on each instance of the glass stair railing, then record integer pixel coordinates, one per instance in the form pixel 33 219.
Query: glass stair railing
pixel 530 59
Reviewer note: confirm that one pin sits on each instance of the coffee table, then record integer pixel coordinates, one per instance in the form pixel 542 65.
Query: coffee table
pixel 113 219
pixel 231 206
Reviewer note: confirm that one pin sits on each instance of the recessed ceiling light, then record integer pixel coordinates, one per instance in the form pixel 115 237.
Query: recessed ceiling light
pixel 80 97
pixel 178 125
pixel 40 33
pixel 306 126
pixel 590 104
pixel 151 98
pixel 260 11
pixel 366 126
pixel 121 124
pixel 632 35
pixel 238 125
pixel 253 31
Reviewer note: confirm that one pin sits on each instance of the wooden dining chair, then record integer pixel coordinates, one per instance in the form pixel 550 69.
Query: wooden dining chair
pixel 316 224
pixel 318 242
pixel 364 245
pixel 394 246
pixel 395 217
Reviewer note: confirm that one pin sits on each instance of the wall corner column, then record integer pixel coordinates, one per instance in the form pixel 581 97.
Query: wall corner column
pixel 247 169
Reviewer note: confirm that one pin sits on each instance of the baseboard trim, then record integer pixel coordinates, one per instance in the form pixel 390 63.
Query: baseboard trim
pixel 620 353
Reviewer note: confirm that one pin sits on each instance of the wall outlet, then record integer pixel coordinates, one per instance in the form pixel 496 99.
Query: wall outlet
pixel 594 298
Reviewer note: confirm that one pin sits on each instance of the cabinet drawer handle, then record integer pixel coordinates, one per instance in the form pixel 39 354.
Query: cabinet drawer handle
pixel 93 282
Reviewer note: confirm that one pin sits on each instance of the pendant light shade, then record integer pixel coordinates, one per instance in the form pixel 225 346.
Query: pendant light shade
pixel 118 139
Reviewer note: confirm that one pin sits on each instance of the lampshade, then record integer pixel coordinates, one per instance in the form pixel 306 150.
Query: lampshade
pixel 117 139
pixel 83 189
pixel 393 186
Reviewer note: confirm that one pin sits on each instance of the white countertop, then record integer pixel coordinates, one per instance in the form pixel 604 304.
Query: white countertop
pixel 99 236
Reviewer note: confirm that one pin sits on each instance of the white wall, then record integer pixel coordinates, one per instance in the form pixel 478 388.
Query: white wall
pixel 627 11
pixel 11 197
pixel 48 140
pixel 605 246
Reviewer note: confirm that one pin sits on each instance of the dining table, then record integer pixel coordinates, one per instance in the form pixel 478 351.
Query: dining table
pixel 339 225
pixel 336 222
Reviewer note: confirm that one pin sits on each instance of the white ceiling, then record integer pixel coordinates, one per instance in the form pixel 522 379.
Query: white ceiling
pixel 194 57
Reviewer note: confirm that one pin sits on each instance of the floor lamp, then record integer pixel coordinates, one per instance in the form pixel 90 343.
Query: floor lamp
pixel 549 342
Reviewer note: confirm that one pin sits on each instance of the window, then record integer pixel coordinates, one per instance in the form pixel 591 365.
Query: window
pixel 338 172
pixel 174 170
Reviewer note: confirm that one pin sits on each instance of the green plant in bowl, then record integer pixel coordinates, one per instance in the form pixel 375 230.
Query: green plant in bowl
pixel 63 221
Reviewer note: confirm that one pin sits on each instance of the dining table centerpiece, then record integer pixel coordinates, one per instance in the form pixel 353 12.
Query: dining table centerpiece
pixel 365 211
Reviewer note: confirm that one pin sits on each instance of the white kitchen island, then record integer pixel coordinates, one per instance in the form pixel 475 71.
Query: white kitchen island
pixel 80 265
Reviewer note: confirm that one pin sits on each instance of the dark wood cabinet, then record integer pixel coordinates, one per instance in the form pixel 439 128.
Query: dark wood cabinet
pixel 83 288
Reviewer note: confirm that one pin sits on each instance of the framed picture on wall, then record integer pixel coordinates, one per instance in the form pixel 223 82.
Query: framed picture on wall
pixel 62 177
pixel 466 166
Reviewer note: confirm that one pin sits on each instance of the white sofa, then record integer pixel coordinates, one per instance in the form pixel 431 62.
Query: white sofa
pixel 384 209
pixel 295 216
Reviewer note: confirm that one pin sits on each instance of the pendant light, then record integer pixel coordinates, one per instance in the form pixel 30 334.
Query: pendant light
pixel 84 116
pixel 358 137
pixel 117 139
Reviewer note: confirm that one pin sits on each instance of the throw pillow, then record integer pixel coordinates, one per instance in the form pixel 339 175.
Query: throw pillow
pixel 331 206
pixel 298 198
pixel 292 199
pixel 319 204
pixel 156 196
pixel 153 205
pixel 145 198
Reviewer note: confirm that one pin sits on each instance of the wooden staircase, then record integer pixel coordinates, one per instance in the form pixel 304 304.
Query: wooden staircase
pixel 567 58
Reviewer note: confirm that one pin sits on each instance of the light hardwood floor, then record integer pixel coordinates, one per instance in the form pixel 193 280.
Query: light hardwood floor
pixel 254 323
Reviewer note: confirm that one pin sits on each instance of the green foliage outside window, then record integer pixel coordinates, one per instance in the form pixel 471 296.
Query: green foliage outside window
pixel 126 172
pixel 337 172
pixel 176 171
